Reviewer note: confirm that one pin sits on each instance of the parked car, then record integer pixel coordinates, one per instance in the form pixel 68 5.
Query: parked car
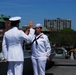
pixel 60 53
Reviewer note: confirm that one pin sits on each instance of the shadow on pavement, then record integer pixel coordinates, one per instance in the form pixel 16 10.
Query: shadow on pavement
pixel 49 74
pixel 3 68
pixel 50 64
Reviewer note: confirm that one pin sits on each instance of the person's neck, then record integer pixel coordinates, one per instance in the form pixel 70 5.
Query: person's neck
pixel 31 27
pixel 14 27
pixel 38 33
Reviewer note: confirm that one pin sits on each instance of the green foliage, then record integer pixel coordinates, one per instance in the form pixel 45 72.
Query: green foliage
pixel 65 37
pixel 67 30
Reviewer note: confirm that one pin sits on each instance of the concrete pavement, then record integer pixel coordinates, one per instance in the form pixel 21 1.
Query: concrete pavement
pixel 62 67
pixel 61 70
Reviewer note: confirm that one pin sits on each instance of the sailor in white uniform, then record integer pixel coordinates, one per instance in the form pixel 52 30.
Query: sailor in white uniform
pixel 12 47
pixel 41 51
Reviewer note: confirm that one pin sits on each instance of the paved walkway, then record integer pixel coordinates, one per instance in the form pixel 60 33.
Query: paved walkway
pixel 62 70
pixel 63 67
pixel 64 62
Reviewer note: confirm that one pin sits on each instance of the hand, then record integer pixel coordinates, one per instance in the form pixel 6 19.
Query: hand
pixel 47 58
pixel 5 60
pixel 27 32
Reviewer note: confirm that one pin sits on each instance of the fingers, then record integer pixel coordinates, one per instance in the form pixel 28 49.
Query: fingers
pixel 48 58
pixel 5 60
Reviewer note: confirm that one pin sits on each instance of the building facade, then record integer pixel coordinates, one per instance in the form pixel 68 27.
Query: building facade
pixel 4 26
pixel 57 24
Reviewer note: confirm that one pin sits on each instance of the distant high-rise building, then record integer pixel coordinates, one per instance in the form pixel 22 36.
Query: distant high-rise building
pixel 57 24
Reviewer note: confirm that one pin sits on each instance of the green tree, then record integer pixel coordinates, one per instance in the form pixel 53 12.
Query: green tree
pixel 63 37
pixel 67 30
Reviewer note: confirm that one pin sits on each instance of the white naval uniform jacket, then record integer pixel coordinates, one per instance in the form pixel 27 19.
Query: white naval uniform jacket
pixel 32 31
pixel 43 49
pixel 12 44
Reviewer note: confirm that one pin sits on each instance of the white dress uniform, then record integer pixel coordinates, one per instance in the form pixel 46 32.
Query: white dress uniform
pixel 13 51
pixel 32 31
pixel 40 53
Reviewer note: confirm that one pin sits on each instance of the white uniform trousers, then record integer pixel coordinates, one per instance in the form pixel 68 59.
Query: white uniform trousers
pixel 39 66
pixel 15 68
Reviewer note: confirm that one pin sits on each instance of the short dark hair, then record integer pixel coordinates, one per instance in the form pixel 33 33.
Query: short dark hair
pixel 14 23
pixel 41 27
pixel 27 27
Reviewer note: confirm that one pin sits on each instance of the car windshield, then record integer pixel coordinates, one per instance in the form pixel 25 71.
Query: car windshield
pixel 59 51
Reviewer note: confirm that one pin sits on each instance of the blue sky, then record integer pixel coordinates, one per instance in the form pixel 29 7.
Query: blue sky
pixel 38 10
